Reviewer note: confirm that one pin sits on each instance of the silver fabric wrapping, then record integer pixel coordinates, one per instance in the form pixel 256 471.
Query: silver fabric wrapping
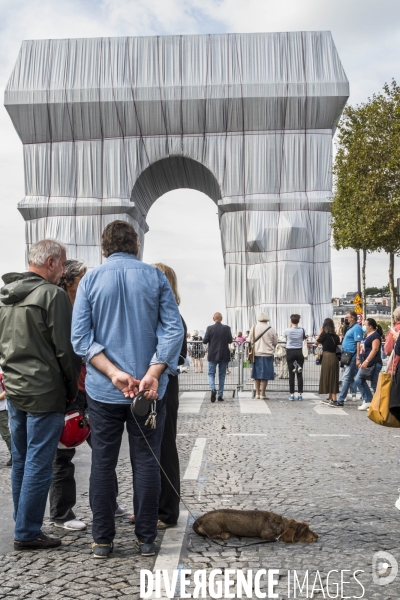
pixel 110 124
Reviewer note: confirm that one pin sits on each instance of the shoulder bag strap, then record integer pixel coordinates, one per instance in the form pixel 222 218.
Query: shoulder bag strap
pixel 260 336
pixel 390 364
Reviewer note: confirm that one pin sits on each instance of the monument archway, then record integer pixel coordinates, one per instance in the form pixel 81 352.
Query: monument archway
pixel 109 123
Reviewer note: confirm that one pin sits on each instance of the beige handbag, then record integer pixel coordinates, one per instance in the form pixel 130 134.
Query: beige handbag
pixel 379 411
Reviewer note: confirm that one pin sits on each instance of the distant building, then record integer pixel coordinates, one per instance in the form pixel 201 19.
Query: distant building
pixel 376 305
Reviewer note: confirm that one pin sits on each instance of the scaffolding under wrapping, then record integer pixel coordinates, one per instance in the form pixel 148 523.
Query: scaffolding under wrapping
pixel 108 125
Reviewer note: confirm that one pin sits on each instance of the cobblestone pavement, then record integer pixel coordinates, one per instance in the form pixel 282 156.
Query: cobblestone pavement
pixel 345 487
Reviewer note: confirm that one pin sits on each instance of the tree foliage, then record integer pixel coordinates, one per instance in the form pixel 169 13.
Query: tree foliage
pixel 366 204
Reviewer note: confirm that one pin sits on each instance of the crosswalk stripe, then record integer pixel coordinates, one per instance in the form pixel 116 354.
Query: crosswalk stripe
pixel 250 406
pixel 322 409
pixel 190 402
pixel 170 551
pixel 195 460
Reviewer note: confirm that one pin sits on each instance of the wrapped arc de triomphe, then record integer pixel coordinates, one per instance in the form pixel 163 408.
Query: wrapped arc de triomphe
pixel 108 125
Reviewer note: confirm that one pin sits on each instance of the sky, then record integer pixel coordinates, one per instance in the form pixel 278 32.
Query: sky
pixel 184 230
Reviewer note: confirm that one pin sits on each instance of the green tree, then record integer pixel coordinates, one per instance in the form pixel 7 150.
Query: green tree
pixel 366 205
pixel 350 222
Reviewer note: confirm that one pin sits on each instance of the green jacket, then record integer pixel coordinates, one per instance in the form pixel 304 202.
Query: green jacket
pixel 39 365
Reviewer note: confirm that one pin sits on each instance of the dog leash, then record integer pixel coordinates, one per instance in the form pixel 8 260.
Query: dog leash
pixel 152 421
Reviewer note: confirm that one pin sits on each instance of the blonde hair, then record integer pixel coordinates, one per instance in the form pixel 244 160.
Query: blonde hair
pixel 171 276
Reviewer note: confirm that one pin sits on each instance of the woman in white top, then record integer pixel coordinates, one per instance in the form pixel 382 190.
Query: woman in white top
pixel 264 347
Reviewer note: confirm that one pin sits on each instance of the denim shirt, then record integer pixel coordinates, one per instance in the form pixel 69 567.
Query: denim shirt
pixel 126 309
pixel 353 335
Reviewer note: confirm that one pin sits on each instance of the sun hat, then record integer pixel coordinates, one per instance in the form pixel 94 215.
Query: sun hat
pixel 263 317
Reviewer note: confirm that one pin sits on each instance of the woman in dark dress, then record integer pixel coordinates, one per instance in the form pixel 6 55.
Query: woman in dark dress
pixel 168 506
pixel 329 378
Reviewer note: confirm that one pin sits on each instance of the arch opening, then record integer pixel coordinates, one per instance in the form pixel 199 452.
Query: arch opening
pixel 184 234
pixel 170 174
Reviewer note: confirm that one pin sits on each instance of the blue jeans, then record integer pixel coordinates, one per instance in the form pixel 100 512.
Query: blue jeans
pixel 34 439
pixel 353 388
pixel 349 374
pixel 212 368
pixel 363 386
pixel 107 425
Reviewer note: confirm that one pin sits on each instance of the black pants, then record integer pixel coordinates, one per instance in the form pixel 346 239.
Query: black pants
pixel 107 424
pixel 292 355
pixel 62 495
pixel 168 510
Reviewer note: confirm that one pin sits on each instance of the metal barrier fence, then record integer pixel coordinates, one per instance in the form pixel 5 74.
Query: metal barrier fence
pixel 238 377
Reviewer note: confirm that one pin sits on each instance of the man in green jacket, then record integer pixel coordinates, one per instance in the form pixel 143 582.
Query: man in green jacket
pixel 40 373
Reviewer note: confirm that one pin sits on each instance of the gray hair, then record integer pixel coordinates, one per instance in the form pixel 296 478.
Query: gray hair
pixel 41 251
pixel 396 314
pixel 72 270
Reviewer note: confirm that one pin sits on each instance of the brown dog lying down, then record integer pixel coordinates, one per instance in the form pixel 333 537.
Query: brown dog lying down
pixel 221 524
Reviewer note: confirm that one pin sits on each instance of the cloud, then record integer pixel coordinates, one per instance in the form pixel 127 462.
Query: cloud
pixel 367 36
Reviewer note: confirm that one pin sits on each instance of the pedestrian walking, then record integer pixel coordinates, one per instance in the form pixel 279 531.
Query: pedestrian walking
pixel 4 426
pixel 341 331
pixel 329 377
pixel 40 375
pixel 197 351
pixel 218 337
pixel 370 361
pixel 125 314
pixel 350 344
pixel 295 335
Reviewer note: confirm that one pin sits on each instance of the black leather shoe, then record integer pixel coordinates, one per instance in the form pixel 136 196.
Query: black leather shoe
pixel 43 542
pixel 220 399
pixel 213 395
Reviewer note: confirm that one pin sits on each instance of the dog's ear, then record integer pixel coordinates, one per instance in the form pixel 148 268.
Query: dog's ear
pixel 288 535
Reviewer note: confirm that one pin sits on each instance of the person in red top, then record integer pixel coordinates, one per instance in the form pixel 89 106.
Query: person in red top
pixel 390 341
pixel 4 427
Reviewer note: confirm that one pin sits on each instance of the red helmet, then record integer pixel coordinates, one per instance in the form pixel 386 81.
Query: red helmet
pixel 75 431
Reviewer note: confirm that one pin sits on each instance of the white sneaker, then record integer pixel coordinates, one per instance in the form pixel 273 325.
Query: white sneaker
pixel 120 511
pixel 354 397
pixel 72 525
pixel 257 397
pixel 364 406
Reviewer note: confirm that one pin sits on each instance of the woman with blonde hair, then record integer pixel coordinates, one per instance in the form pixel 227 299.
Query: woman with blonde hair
pixel 168 507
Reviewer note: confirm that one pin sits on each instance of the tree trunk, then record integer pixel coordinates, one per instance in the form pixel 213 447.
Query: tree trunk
pixel 358 273
pixel 363 280
pixel 391 284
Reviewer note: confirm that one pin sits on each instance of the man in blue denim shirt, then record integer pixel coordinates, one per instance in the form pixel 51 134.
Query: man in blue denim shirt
pixel 127 327
pixel 351 343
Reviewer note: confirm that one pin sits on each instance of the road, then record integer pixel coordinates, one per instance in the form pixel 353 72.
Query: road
pixel 331 467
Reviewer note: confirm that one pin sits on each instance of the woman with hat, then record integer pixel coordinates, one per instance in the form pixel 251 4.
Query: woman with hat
pixel 264 340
